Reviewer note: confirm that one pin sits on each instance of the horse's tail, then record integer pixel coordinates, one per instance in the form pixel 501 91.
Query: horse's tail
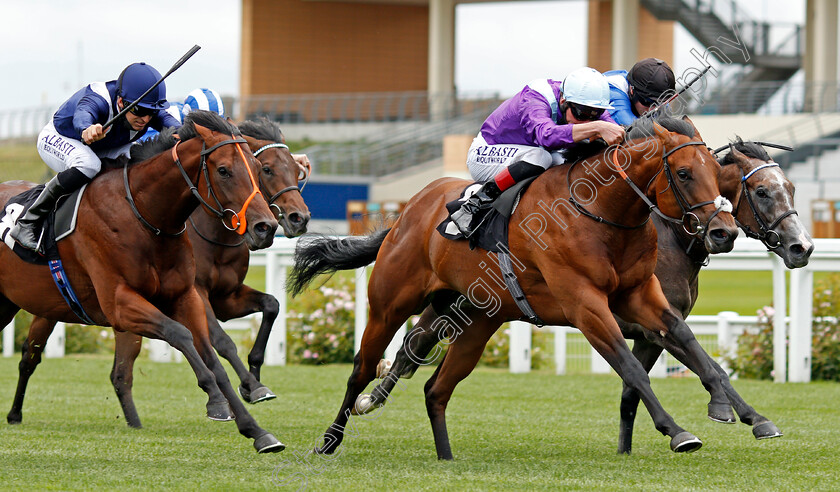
pixel 316 254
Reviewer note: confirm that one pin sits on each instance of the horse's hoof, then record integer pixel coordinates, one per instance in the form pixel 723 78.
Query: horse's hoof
pixel 220 412
pixel 766 430
pixel 685 442
pixel 383 368
pixel 267 443
pixel 260 394
pixel 364 404
pixel 721 413
pixel 14 420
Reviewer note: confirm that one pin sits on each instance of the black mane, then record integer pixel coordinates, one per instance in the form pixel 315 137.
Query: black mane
pixel 166 139
pixel 641 128
pixel 749 149
pixel 262 129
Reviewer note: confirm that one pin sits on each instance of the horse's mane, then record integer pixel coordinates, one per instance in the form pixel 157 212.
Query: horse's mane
pixel 166 139
pixel 262 129
pixel 749 149
pixel 641 128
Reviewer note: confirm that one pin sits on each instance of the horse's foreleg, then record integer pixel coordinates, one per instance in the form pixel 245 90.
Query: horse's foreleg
pixel 647 354
pixel 250 388
pixel 762 427
pixel 591 314
pixel 126 349
pixel 648 307
pixel 133 313
pixel 30 357
pixel 190 310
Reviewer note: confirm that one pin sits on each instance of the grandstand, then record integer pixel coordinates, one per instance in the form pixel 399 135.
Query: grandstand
pixel 381 137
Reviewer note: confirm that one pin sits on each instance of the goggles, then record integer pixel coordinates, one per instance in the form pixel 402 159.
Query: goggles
pixel 142 112
pixel 585 113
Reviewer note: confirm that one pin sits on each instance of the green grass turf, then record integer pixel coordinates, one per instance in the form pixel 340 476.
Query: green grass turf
pixel 509 432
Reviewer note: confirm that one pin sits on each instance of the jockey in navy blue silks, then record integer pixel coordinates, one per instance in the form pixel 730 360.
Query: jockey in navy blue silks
pixel 634 93
pixel 73 142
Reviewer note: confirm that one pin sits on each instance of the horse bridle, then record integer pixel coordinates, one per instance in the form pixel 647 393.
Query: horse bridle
pixel 262 187
pixel 237 224
pixel 766 234
pixel 284 190
pixel 721 204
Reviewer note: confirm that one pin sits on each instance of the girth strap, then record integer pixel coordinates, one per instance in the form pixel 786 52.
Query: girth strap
pixel 60 278
pixel 516 290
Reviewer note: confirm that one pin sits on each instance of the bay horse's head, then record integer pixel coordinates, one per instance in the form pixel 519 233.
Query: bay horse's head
pixel 225 178
pixel 763 200
pixel 278 175
pixel 686 189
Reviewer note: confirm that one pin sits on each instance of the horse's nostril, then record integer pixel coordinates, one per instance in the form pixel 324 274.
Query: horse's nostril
pixel 295 218
pixel 797 250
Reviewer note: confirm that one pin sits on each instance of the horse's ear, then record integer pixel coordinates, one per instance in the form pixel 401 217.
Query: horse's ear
pixel 661 132
pixel 737 154
pixel 696 131
pixel 205 133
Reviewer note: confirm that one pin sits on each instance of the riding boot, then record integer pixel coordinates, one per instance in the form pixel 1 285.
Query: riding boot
pixel 27 229
pixel 480 200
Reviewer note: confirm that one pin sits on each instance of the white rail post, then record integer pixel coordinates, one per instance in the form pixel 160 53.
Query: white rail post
pixel 9 339
pixel 779 324
pixel 275 284
pixel 361 307
pixel 801 305
pixel 396 343
pixel 660 368
pixel 726 344
pixel 160 350
pixel 559 349
pixel 598 364
pixel 54 349
pixel 520 347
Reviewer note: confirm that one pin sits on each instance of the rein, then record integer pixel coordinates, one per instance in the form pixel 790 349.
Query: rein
pixel 720 203
pixel 237 224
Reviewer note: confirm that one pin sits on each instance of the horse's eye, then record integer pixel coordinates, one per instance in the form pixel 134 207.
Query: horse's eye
pixel 223 172
pixel 761 193
pixel 267 170
pixel 683 175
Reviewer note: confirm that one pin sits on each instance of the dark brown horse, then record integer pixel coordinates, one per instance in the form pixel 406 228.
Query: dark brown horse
pixel 130 262
pixel 573 270
pixel 763 201
pixel 221 257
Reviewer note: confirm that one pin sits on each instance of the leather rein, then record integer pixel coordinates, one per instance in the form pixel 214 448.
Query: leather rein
pixel 238 222
pixel 689 221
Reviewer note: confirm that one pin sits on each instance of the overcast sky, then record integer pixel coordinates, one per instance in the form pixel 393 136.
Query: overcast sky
pixel 50 48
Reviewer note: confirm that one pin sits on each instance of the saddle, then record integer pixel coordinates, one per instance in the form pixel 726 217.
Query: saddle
pixel 60 223
pixel 492 231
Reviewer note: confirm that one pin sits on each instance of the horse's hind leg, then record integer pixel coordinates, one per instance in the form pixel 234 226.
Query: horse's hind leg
pixel 30 357
pixel 390 306
pixel 126 349
pixel 417 345
pixel 463 354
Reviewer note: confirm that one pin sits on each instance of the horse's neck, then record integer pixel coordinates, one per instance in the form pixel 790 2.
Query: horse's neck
pixel 159 189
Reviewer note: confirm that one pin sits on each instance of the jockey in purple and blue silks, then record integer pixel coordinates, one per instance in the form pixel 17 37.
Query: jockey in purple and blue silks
pixel 634 93
pixel 73 142
pixel 524 136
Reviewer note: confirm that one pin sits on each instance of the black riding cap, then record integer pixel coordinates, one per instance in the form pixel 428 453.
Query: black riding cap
pixel 651 77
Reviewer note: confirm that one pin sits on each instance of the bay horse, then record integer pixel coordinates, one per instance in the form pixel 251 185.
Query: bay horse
pixel 573 270
pixel 221 257
pixel 748 175
pixel 131 264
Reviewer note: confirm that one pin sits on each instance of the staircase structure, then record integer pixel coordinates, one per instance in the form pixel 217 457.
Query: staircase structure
pixel 774 50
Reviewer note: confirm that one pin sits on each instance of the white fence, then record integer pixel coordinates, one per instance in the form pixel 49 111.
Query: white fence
pixel 717 334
